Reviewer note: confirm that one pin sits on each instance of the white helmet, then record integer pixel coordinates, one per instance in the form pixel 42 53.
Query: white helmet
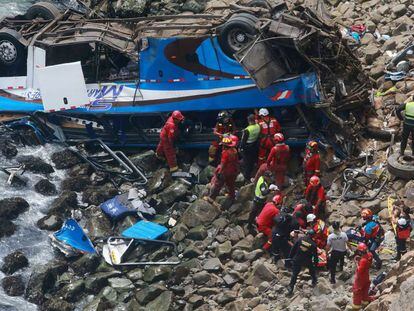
pixel 310 218
pixel 263 112
pixel 402 222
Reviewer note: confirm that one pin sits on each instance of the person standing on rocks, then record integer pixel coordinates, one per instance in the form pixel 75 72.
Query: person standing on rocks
pixel 301 211
pixel 224 126
pixel 278 159
pixel 337 244
pixel 265 220
pixel 320 228
pixel 403 232
pixel 249 146
pixel 228 169
pixel 269 126
pixel 303 254
pixel 315 195
pixel 408 125
pixel 311 162
pixel 362 282
pixel 168 136
pixel 263 187
pixel 284 225
pixel 373 234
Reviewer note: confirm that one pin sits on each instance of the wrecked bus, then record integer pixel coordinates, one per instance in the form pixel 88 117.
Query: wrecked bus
pixel 64 76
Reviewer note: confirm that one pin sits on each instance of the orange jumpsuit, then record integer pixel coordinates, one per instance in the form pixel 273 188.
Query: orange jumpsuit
pixel 269 126
pixel 166 149
pixel 311 166
pixel 362 283
pixel 219 131
pixel 315 195
pixel 265 221
pixel 277 162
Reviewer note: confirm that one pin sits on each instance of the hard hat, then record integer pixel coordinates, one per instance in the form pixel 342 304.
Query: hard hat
pixel 403 66
pixel 177 115
pixel 310 232
pixel 402 222
pixel 310 218
pixel 234 141
pixel 227 141
pixel 268 173
pixel 314 180
pixel 366 213
pixel 277 199
pixel 223 115
pixel 336 224
pixel 362 247
pixel 312 145
pixel 278 137
pixel 263 112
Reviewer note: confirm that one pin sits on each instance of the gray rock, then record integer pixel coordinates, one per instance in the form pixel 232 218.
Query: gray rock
pixel 159 181
pixel 399 10
pixel 193 263
pixel 374 206
pixel 207 291
pixel 196 300
pixel 73 291
pixel 179 232
pixel 86 264
pixel 200 213
pixel 201 278
pixel 13 285
pixel 50 223
pixel 197 233
pixel 157 273
pixel 192 251
pixel 149 293
pixel 45 187
pixel 230 280
pixel 65 159
pixel 56 304
pixel 97 304
pixel 223 251
pixel 147 160
pixel 8 149
pixel 195 6
pixel 77 183
pixel 13 262
pixel 35 165
pixel 253 255
pixel 109 294
pixel 206 174
pixel 172 193
pixel 249 292
pixel 121 284
pixel 162 303
pixel 261 272
pixel 96 195
pixel 213 265
pixel 62 205
pixel 371 53
pixel 11 208
pixel 226 297
pixel 97 224
pixel 136 274
pixel 7 228
pixel 95 282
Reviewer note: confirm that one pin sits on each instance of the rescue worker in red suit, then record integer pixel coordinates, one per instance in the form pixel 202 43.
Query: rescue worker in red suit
pixel 301 211
pixel 311 162
pixel 315 195
pixel 362 282
pixel 168 135
pixel 228 169
pixel 265 220
pixel 278 159
pixel 224 126
pixel 269 126
pixel 321 230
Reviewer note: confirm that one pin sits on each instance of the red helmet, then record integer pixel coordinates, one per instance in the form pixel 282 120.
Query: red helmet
pixel 277 199
pixel 362 247
pixel 312 145
pixel 315 180
pixel 234 141
pixel 279 138
pixel 177 115
pixel 366 213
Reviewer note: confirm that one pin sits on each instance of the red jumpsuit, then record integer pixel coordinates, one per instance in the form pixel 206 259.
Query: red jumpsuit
pixel 321 234
pixel 219 131
pixel 226 173
pixel 168 135
pixel 301 220
pixel 311 166
pixel 315 195
pixel 361 282
pixel 277 162
pixel 265 221
pixel 269 126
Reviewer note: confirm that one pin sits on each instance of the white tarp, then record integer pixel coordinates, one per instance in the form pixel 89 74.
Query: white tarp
pixel 62 87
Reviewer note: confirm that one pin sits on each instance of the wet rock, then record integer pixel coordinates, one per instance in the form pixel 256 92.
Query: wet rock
pixel 65 159
pixel 180 232
pixel 77 184
pixel 121 284
pixel 98 195
pixel 172 193
pixel 7 228
pixel 13 262
pixel 147 160
pixel 206 174
pixel 98 304
pixel 195 6
pixel 35 165
pixel 200 212
pixel 149 293
pixel 191 251
pixel 42 281
pixel 73 291
pixel 86 264
pixel 45 187
pixel 56 304
pixel 97 224
pixel 201 278
pixel 212 265
pixel 157 273
pixel 13 285
pixel 8 149
pixel 223 250
pixel 129 8
pixel 197 233
pixel 95 282
pixel 62 205
pixel 10 208
pixel 261 272
pixel 162 303
pixel 50 223
pixel 193 263
pixel 160 180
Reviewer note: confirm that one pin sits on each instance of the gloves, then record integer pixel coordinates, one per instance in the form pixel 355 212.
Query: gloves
pixel 273 187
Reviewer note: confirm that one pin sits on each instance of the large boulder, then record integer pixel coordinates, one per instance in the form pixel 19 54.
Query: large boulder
pixel 35 165
pixel 199 213
pixel 13 262
pixel 147 160
pixel 160 180
pixel 62 205
pixel 50 223
pixel 45 187
pixel 97 224
pixel 97 195
pixel 10 208
pixel 13 285
pixel 56 304
pixel 157 273
pixel 162 303
pixel 149 293
pixel 7 228
pixel 73 291
pixel 261 272
pixel 86 264
pixel 65 159
pixel 77 183
pixel 172 193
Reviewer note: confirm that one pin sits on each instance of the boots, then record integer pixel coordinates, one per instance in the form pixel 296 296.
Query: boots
pixel 398 257
pixel 290 291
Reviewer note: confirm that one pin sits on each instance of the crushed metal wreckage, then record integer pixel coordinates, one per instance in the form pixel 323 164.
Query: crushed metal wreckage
pixel 127 74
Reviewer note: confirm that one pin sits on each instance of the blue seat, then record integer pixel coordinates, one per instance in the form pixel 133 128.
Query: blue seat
pixel 115 208
pixel 145 230
pixel 72 234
